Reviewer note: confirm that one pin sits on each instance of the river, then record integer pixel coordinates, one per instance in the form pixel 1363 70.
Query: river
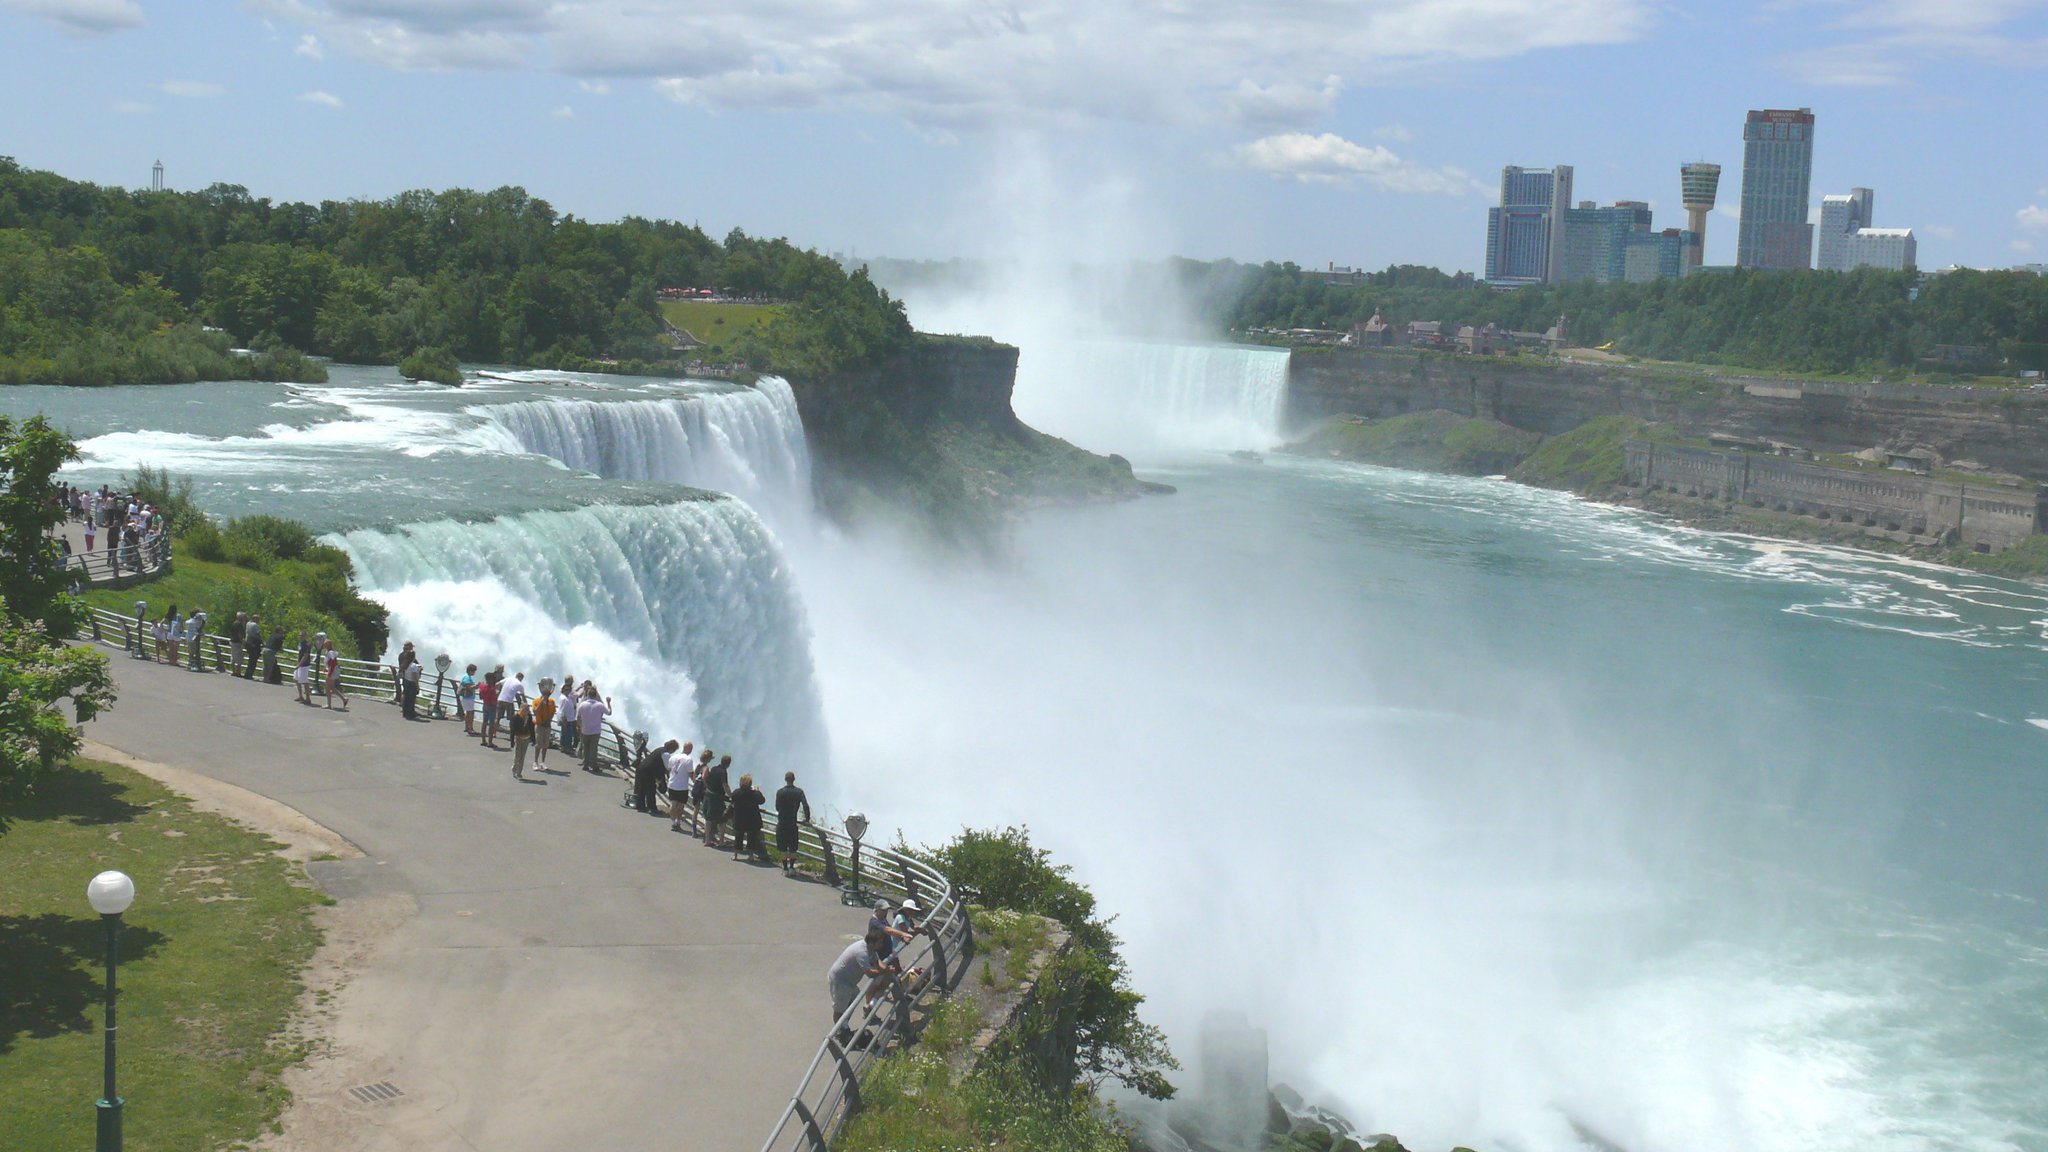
pixel 1517 822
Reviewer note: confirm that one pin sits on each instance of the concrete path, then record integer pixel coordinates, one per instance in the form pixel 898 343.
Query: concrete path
pixel 576 976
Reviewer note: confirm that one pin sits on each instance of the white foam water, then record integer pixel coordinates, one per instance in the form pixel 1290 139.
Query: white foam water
pixel 687 606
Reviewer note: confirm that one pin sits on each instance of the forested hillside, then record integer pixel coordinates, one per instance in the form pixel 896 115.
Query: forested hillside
pixel 119 279
pixel 1797 321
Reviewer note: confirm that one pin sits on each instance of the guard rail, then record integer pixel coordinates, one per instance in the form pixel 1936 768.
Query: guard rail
pixel 829 1092
pixel 101 566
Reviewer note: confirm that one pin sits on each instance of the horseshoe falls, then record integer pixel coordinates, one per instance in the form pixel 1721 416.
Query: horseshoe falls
pixel 684 613
pixel 1147 399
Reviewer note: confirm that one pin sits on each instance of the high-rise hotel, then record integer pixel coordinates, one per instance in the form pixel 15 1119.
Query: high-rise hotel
pixel 1525 235
pixel 1777 171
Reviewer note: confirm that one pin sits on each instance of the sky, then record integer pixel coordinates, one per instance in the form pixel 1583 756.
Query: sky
pixel 1359 132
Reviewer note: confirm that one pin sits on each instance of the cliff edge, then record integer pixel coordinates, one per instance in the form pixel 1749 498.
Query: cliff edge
pixel 928 435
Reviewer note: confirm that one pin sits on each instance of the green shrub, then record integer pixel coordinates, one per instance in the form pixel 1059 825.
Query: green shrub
pixel 433 364
pixel 1001 869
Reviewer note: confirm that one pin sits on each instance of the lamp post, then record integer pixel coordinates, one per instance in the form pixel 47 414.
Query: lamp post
pixel 110 893
pixel 856 827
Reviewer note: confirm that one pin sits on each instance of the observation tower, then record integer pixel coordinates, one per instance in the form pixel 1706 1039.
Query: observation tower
pixel 1697 184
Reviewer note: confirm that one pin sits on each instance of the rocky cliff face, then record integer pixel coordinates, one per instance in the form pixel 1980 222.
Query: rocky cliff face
pixel 929 434
pixel 2002 429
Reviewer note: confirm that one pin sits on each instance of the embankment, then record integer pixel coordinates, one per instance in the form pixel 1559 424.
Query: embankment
pixel 930 431
pixel 2004 429
pixel 1459 414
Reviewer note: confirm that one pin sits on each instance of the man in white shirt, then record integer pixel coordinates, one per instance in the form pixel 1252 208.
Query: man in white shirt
pixel 590 716
pixel 512 695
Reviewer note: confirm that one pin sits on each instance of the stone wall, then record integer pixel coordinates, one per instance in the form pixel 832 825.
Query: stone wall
pixel 2003 429
pixel 1987 516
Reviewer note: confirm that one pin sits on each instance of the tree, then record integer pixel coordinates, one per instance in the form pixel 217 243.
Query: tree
pixel 1001 869
pixel 37 670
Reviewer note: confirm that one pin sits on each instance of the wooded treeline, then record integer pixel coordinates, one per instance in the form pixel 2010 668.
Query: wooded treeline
pixel 1796 321
pixel 122 277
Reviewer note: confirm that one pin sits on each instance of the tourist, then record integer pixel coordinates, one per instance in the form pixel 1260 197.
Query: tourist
pixel 789 802
pixel 543 722
pixel 565 711
pixel 174 633
pixel 521 728
pixel 698 772
pixel 647 774
pixel 892 937
pixel 406 657
pixel 272 655
pixel 679 765
pixel 857 963
pixel 747 802
pixel 409 689
pixel 92 531
pixel 716 792
pixel 302 675
pixel 487 699
pixel 333 661
pixel 590 718
pixel 465 700
pixel 195 629
pixel 159 637
pixel 252 646
pixel 514 694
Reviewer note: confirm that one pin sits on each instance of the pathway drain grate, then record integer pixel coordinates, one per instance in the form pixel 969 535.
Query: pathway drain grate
pixel 378 1093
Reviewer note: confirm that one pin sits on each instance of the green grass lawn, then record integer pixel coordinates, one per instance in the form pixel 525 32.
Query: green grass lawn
pixel 223 590
pixel 717 323
pixel 210 963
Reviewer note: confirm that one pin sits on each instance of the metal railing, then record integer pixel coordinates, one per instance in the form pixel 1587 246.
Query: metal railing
pixel 368 679
pixel 104 565
pixel 829 1092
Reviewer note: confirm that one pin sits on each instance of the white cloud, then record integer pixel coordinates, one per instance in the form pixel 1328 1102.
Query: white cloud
pixel 87 17
pixel 953 63
pixel 1886 41
pixel 2021 245
pixel 595 87
pixel 192 89
pixel 1398 133
pixel 565 113
pixel 1731 211
pixel 2033 218
pixel 1331 159
pixel 318 97
pixel 131 107
pixel 1941 231
pixel 309 46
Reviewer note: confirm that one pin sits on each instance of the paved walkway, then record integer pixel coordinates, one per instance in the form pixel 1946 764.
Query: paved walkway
pixel 576 976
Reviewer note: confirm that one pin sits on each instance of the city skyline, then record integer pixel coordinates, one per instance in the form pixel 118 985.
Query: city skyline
pixel 1362 134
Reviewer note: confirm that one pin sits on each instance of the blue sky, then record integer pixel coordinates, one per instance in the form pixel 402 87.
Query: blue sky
pixel 1356 131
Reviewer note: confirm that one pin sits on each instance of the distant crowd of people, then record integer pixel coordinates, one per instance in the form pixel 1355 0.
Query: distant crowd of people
pixel 241 648
pixel 133 530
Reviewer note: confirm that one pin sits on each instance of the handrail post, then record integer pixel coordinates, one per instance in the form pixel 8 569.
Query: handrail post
pixel 846 1073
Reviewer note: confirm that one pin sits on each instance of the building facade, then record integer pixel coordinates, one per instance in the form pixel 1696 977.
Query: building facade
pixel 1648 255
pixel 1525 236
pixel 1777 176
pixel 1596 239
pixel 1848 240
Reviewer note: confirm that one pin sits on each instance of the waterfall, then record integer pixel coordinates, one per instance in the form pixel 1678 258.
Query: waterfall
pixel 746 441
pixel 1129 397
pixel 684 613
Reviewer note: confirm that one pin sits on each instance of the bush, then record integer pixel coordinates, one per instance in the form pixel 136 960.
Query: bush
pixel 1001 869
pixel 433 364
pixel 154 486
